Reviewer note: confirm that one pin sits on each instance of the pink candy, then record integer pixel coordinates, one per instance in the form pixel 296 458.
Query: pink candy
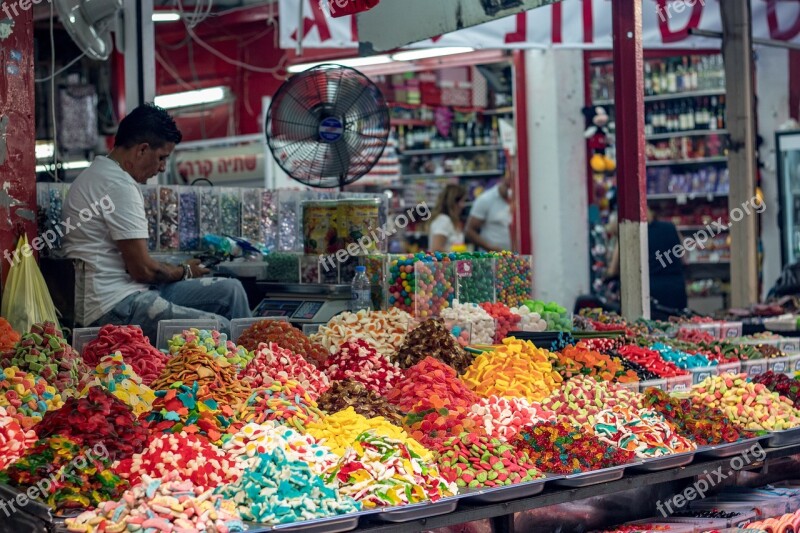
pixel 13 439
pixel 502 418
pixel 358 360
pixel 272 362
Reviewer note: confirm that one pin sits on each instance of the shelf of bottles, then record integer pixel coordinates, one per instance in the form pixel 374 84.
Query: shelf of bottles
pixel 686 152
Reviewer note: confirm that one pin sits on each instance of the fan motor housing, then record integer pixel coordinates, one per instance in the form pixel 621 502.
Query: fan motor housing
pixel 331 129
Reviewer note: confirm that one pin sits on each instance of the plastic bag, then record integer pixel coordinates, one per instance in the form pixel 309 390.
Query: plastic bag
pixel 26 299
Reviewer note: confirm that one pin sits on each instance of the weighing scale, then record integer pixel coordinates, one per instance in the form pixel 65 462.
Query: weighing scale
pixel 303 303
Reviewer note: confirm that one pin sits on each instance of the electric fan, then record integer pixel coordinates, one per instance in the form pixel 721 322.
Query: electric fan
pixel 89 23
pixel 327 126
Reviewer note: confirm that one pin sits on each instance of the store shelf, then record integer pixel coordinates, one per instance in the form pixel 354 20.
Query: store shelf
pixel 699 227
pixel 690 133
pixel 678 162
pixel 670 96
pixel 685 196
pixel 499 111
pixel 446 151
pixel 721 262
pixel 468 513
pixel 479 174
pixel 411 122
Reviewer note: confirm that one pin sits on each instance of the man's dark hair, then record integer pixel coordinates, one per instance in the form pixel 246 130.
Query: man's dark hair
pixel 150 124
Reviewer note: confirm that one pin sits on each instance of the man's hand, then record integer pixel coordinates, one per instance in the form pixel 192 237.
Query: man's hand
pixel 198 271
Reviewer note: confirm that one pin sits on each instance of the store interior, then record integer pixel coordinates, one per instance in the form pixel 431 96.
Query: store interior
pixel 473 266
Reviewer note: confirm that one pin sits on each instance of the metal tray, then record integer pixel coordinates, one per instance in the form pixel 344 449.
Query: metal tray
pixel 728 449
pixel 505 493
pixel 33 508
pixel 330 524
pixel 787 437
pixel 664 462
pixel 417 511
pixel 595 477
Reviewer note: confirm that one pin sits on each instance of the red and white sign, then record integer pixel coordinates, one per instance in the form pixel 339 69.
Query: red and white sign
pixel 571 23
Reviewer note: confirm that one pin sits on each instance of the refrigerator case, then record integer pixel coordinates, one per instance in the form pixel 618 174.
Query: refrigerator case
pixel 788 154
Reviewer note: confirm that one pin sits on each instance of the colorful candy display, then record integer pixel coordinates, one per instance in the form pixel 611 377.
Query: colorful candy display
pixel 189 409
pixel 87 481
pixel 284 335
pixel 340 430
pixel 135 348
pixel 14 440
pixel 279 490
pixel 580 399
pixel 191 458
pixel 166 504
pixel 681 359
pixel 643 432
pixel 432 339
pixel 651 361
pixel 421 284
pixel 554 315
pixel 351 393
pixel 27 397
pixel 117 377
pixel 514 369
pixel 193 365
pixel 433 425
pixel 381 471
pixel 703 424
pixel 503 418
pixel 213 342
pixel 433 381
pixel 782 384
pixel 749 405
pixel 98 419
pixel 473 460
pixel 581 361
pixel 358 360
pixel 480 322
pixel 561 448
pixel 284 401
pixel 252 440
pixel 384 330
pixel 44 352
pixel 505 320
pixel 271 362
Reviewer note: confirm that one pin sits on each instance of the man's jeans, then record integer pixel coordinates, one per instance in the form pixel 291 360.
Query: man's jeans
pixel 205 298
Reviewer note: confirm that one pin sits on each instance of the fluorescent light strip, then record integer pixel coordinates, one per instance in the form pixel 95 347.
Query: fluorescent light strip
pixel 353 62
pixel 69 165
pixel 44 150
pixel 191 98
pixel 166 16
pixel 412 55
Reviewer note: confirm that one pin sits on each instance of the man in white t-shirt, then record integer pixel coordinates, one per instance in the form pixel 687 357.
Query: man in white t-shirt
pixel 489 222
pixel 117 282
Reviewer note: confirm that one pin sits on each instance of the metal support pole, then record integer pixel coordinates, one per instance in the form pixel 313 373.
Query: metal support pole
pixel 140 63
pixel 737 49
pixel 631 185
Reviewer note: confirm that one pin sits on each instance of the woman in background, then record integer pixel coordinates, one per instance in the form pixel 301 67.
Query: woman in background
pixel 446 228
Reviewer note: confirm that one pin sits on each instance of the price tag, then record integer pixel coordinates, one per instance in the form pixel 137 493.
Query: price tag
pixel 680 387
pixel 797 366
pixel 780 366
pixel 755 370
pixel 464 269
pixel 700 376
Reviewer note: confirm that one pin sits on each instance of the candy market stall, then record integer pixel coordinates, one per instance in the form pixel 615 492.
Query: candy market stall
pixel 384 421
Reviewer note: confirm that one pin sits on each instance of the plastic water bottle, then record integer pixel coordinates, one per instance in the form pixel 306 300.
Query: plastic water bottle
pixel 362 299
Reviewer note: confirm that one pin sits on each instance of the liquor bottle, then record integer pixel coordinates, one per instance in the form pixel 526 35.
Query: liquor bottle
pixel 683 123
pixel 648 79
pixel 461 140
pixel 487 135
pixel 409 139
pixel 721 113
pixel 681 77
pixel 495 132
pixel 648 121
pixel 698 116
pixel 664 79
pixel 655 83
pixel 672 79
pixel 693 74
pixel 690 121
pixel 401 138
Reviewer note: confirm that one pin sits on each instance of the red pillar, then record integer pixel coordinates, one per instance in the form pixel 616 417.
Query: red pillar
pixel 17 136
pixel 522 174
pixel 631 178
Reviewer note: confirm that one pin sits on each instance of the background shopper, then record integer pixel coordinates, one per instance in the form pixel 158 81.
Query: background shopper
pixel 489 223
pixel 447 227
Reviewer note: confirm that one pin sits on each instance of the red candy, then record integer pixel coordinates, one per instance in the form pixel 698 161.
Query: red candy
pixel 651 360
pixel 358 360
pixel 99 418
pixel 13 439
pixel 431 427
pixel 272 362
pixel 506 320
pixel 135 348
pixel 431 382
pixel 284 335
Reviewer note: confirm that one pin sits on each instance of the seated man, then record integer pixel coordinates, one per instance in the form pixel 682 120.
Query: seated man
pixel 116 280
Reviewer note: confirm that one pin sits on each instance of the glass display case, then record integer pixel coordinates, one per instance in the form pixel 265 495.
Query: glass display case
pixel 788 153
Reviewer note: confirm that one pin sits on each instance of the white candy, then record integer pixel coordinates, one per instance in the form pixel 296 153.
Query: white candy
pixel 481 323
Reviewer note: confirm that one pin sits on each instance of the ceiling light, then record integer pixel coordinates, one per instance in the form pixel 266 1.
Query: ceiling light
pixel 192 98
pixel 353 62
pixel 68 165
pixel 44 149
pixel 166 16
pixel 427 53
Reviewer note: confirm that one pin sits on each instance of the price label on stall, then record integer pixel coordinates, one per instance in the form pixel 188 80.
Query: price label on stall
pixel 464 269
